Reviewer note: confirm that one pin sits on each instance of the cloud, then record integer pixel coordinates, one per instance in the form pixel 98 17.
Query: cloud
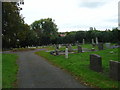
pixel 92 3
pixel 72 15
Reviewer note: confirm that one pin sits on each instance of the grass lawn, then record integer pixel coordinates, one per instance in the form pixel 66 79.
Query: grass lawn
pixel 9 70
pixel 78 65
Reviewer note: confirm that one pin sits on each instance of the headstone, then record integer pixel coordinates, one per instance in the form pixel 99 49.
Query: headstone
pixel 100 46
pixel 95 63
pixel 59 46
pixel 77 43
pixel 70 48
pixel 96 40
pixel 79 49
pixel 114 70
pixel 108 45
pixel 93 43
pixel 57 52
pixel 66 53
pixel 83 41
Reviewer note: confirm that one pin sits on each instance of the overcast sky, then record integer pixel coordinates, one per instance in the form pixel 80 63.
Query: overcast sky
pixel 73 15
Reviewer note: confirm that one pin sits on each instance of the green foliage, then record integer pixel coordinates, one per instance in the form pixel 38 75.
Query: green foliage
pixel 103 36
pixel 78 65
pixel 46 30
pixel 13 26
pixel 9 70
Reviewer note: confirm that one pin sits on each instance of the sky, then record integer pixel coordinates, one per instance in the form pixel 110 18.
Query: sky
pixel 73 15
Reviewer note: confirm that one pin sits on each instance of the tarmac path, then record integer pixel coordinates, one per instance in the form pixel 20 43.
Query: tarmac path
pixel 36 72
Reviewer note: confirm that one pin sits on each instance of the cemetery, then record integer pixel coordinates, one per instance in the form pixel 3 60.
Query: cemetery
pixel 88 63
pixel 48 53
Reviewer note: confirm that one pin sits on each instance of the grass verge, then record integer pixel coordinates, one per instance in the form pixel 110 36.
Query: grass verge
pixel 78 65
pixel 9 70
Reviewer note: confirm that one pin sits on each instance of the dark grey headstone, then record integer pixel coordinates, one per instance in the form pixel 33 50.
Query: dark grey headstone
pixel 95 63
pixel 79 49
pixel 100 46
pixel 114 70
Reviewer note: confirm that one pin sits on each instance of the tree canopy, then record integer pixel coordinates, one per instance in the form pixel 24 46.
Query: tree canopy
pixel 46 30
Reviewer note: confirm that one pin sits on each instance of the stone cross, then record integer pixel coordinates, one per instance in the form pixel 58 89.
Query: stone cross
pixel 66 53
pixel 96 40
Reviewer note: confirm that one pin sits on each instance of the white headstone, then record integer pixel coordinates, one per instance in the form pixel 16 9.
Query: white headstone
pixel 96 40
pixel 93 41
pixel 66 53
pixel 83 41
pixel 59 46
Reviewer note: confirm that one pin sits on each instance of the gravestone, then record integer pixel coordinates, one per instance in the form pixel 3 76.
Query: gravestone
pixel 96 40
pixel 56 49
pixel 95 63
pixel 93 43
pixel 77 43
pixel 79 49
pixel 59 46
pixel 100 46
pixel 70 48
pixel 107 45
pixel 114 70
pixel 66 53
pixel 83 41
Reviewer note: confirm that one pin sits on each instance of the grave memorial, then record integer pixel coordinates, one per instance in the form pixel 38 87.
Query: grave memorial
pixel 114 70
pixel 108 45
pixel 96 41
pixel 83 41
pixel 93 43
pixel 70 48
pixel 95 63
pixel 79 49
pixel 66 53
pixel 100 46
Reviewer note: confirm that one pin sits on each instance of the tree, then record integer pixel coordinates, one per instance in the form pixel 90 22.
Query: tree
pixel 46 30
pixel 12 22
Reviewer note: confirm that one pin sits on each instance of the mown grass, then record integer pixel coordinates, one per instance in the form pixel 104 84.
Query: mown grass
pixel 78 65
pixel 9 70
